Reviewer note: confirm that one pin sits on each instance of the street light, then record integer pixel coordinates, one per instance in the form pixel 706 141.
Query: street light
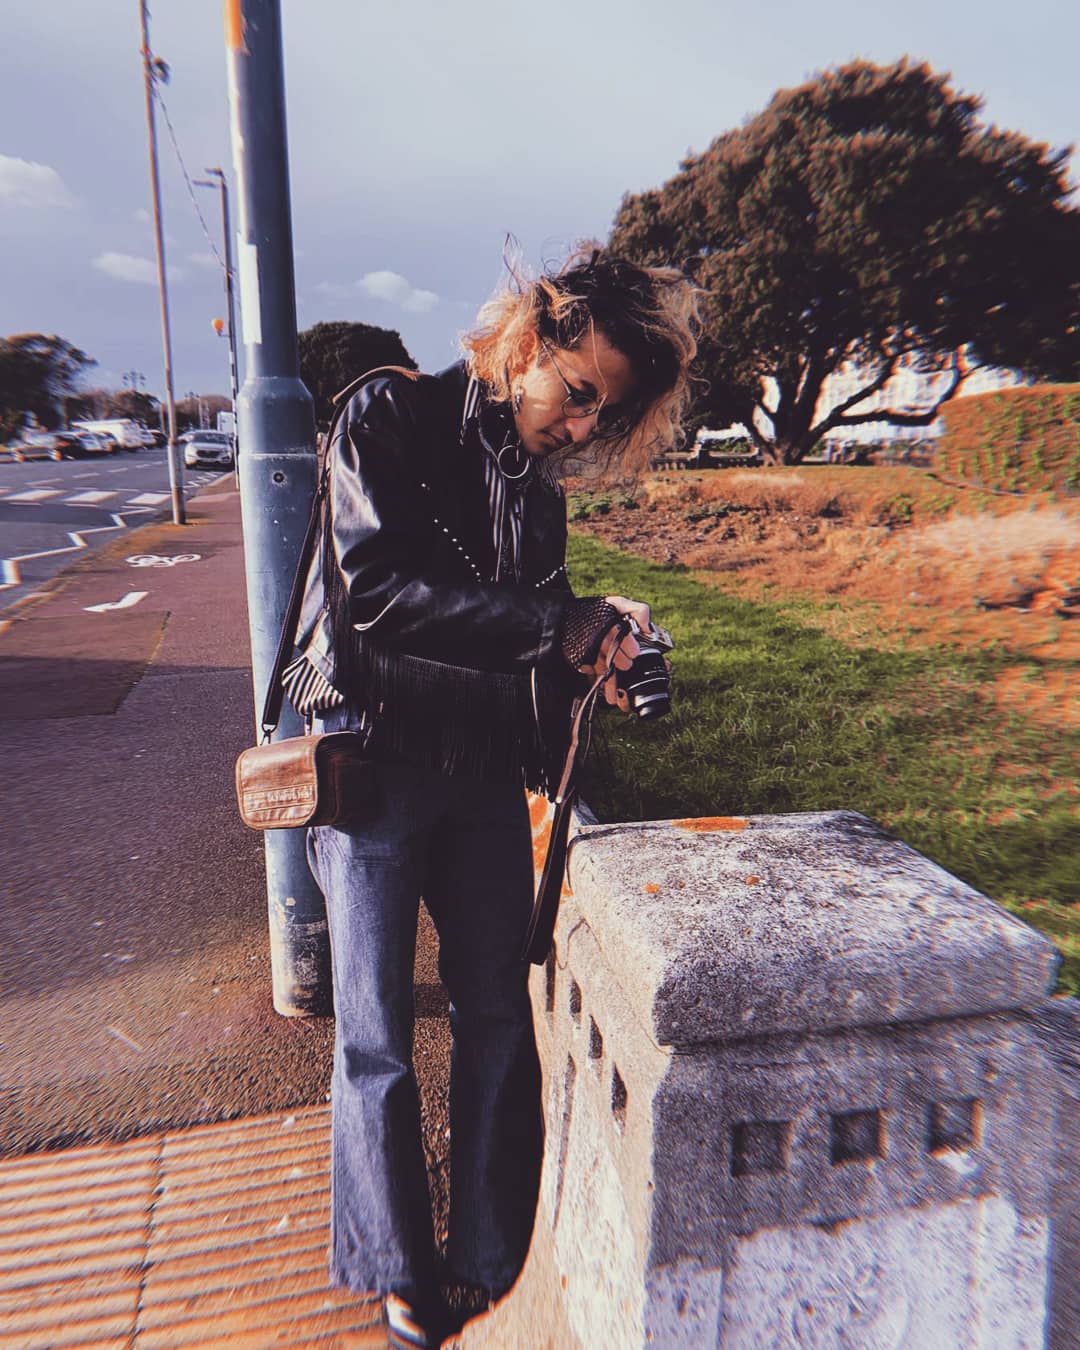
pixel 155 69
pixel 218 180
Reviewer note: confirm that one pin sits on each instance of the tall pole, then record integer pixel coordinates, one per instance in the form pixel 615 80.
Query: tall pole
pixel 218 176
pixel 230 302
pixel 278 466
pixel 176 482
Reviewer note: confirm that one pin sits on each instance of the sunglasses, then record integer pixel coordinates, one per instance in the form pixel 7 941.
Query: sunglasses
pixel 610 422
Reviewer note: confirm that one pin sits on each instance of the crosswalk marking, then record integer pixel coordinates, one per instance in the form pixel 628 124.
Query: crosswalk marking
pixel 34 495
pixel 88 498
pixel 148 499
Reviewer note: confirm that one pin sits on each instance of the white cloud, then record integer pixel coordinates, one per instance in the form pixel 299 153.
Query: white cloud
pixel 203 260
pixel 143 216
pixel 395 289
pixel 126 267
pixel 389 287
pixel 24 183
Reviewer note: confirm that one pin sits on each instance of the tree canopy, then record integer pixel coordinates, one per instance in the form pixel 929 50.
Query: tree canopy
pixel 99 403
pixel 332 355
pixel 37 372
pixel 866 219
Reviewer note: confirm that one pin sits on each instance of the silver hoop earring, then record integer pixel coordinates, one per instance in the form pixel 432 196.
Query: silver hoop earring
pixel 511 477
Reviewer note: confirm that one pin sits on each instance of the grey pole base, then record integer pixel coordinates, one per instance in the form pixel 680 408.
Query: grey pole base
pixel 277 487
pixel 299 939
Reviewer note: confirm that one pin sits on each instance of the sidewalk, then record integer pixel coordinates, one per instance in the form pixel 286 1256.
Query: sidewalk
pixel 135 976
pixel 214 1236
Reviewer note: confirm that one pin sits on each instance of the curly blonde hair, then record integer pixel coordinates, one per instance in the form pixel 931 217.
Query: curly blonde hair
pixel 650 314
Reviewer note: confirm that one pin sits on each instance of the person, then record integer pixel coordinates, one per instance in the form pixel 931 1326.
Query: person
pixel 438 620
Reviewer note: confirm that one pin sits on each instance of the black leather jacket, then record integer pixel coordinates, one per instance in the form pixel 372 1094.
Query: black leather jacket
pixel 450 667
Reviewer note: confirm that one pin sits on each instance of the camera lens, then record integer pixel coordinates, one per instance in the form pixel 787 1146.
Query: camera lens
pixel 646 683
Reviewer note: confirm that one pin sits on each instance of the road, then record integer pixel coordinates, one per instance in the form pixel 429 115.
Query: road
pixel 51 514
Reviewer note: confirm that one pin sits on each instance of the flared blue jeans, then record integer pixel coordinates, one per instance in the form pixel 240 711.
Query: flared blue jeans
pixel 464 846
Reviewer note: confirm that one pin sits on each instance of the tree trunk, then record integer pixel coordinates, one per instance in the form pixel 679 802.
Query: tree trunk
pixel 789 452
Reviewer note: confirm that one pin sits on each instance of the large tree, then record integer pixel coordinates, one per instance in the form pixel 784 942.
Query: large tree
pixel 37 372
pixel 332 355
pixel 866 220
pixel 100 403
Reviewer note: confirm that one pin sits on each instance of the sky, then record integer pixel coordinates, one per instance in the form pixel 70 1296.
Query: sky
pixel 421 135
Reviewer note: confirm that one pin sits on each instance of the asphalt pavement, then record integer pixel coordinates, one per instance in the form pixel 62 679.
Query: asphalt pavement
pixel 134 958
pixel 54 513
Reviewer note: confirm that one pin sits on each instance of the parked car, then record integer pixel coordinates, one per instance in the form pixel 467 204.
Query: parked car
pixel 34 445
pixel 213 448
pixel 94 443
pixel 127 433
pixel 45 445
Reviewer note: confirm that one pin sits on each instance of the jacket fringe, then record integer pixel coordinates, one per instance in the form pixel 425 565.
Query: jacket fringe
pixel 451 718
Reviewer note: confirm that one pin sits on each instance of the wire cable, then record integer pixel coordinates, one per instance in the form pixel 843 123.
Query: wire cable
pixel 187 177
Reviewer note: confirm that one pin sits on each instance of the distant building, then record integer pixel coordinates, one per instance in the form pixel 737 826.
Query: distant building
pixel 909 390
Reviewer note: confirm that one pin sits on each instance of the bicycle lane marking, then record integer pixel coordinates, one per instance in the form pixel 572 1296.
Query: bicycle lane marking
pixel 161 560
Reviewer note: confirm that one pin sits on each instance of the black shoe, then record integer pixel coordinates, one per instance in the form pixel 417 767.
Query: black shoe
pixel 410 1327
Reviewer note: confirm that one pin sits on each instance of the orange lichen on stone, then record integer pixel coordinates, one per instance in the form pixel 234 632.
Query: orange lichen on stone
pixel 651 888
pixel 753 881
pixel 540 845
pixel 709 824
pixel 538 808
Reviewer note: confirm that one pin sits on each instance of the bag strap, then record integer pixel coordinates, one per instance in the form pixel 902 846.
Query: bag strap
pixel 275 691
pixel 545 910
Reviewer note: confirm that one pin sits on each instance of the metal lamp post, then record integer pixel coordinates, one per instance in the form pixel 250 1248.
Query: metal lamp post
pixel 218 180
pixel 277 460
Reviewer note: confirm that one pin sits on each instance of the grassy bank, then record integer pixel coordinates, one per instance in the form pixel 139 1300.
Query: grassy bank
pixel 774 714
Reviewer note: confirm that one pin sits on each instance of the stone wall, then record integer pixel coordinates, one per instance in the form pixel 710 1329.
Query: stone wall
pixel 798 1094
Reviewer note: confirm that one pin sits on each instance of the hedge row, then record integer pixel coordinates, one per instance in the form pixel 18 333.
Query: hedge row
pixel 1023 439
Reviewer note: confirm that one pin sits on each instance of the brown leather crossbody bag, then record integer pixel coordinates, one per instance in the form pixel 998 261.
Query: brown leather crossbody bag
pixel 325 779
pixel 322 779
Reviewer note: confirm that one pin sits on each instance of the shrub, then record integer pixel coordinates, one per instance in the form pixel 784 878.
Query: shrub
pixel 1025 439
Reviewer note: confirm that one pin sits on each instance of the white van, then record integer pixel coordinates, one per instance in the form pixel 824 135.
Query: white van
pixel 124 430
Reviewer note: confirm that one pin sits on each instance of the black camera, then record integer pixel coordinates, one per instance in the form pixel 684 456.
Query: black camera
pixel 646 684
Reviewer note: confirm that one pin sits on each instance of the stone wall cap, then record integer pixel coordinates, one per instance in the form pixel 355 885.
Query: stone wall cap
pixel 724 928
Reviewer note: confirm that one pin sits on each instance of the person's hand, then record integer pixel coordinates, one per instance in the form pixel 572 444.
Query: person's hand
pixel 625 652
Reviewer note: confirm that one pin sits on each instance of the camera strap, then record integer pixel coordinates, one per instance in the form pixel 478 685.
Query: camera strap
pixel 545 910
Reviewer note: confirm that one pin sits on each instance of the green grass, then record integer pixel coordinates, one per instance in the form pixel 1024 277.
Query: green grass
pixel 771 714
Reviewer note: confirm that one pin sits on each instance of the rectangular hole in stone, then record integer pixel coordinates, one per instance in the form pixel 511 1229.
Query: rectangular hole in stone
pixel 596 1044
pixel 549 982
pixel 569 1079
pixel 856 1136
pixel 618 1097
pixel 759 1146
pixel 954 1125
pixel 575 1001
